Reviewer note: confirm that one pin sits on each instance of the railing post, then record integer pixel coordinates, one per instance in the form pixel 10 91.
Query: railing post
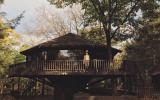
pixel 95 66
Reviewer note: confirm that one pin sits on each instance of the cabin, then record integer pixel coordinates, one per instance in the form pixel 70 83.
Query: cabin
pixel 70 64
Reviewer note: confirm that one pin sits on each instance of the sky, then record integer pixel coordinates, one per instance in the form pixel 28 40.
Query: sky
pixel 15 7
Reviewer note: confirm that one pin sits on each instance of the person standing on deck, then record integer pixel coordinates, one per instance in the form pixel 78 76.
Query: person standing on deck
pixel 86 59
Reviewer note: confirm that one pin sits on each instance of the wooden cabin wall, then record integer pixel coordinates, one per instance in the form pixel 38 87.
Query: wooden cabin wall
pixel 32 57
pixel 98 54
pixel 53 54
pixel 50 55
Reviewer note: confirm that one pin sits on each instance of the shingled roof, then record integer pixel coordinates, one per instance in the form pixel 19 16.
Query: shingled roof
pixel 68 41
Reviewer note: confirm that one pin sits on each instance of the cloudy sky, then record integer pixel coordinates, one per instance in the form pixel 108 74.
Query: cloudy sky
pixel 14 7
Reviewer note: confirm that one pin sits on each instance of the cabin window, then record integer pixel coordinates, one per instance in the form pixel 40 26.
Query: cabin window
pixel 76 54
pixel 63 55
pixel 52 54
pixel 70 55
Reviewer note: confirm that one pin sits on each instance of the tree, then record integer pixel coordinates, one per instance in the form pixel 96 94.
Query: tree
pixel 146 47
pixel 112 14
pixel 50 24
pixel 9 54
pixel 7 51
pixel 9 39
pixel 94 34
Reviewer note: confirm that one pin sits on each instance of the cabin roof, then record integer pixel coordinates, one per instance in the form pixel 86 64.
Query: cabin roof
pixel 68 41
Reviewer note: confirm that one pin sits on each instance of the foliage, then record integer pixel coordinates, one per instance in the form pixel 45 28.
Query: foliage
pixel 146 47
pixel 6 51
pixel 16 21
pixel 9 54
pixel 2 31
pixel 9 40
pixel 94 34
pixel 6 26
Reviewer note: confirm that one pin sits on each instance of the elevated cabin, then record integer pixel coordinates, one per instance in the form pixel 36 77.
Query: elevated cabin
pixel 71 63
pixel 65 55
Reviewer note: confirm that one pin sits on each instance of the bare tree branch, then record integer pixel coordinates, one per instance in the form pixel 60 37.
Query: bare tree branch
pixel 126 17
pixel 99 10
pixel 114 9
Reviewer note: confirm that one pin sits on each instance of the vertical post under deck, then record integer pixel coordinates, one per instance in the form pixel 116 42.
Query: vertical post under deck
pixel 19 84
pixel 43 87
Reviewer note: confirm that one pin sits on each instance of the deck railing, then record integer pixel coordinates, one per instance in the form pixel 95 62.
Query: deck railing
pixel 64 67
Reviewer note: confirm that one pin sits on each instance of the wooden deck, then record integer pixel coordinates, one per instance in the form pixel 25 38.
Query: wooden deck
pixel 70 67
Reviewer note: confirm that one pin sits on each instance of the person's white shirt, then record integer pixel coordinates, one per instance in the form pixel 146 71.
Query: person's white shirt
pixel 86 58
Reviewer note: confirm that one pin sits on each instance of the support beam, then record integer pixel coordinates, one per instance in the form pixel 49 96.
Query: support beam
pixel 43 87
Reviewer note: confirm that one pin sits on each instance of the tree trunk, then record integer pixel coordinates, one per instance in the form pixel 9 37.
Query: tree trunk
pixel 107 29
pixel 108 37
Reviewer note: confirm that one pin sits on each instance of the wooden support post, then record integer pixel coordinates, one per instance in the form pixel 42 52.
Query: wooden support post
pixel 19 84
pixel 126 85
pixel 113 85
pixel 43 87
pixel 35 89
pixel 12 84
